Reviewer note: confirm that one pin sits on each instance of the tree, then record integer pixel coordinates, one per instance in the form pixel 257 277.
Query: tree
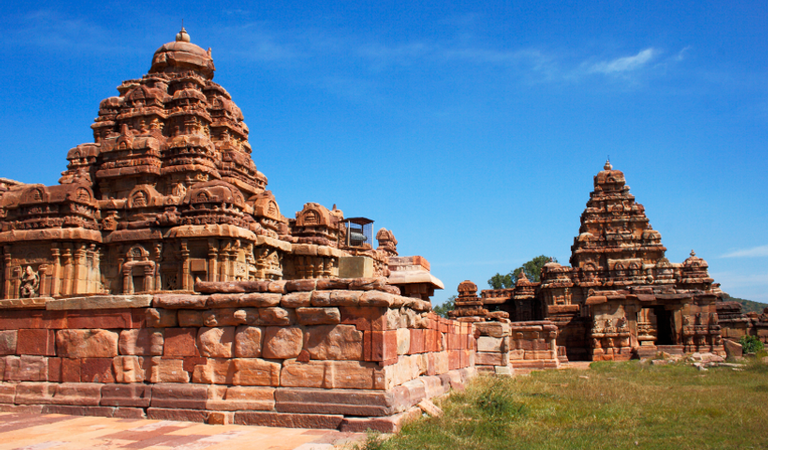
pixel 532 269
pixel 448 305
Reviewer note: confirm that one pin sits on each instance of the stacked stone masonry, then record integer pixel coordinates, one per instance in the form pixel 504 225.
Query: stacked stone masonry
pixel 308 353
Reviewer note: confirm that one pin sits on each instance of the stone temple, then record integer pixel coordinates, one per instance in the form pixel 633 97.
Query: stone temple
pixel 168 194
pixel 620 299
pixel 159 279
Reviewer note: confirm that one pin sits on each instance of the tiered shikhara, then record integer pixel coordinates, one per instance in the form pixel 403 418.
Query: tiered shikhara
pixel 168 194
pixel 621 297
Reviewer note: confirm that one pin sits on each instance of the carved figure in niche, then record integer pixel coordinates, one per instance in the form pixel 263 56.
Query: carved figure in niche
pixel 179 190
pixel 30 284
pixel 623 323
pixel 139 200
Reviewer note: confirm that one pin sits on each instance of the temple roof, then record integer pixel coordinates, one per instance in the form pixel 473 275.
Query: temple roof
pixel 182 55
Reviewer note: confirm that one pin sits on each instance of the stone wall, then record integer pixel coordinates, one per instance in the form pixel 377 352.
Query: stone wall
pixel 309 353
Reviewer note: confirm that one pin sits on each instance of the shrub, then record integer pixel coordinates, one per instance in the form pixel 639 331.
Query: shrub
pixel 751 344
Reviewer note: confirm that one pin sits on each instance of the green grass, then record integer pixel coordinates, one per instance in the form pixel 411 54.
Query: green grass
pixel 610 406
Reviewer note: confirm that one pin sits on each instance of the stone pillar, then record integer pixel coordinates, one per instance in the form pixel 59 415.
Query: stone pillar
pixel 127 279
pixel 213 255
pixel 157 267
pixel 148 277
pixel 186 276
pixel 6 272
pixel 68 270
pixel 80 270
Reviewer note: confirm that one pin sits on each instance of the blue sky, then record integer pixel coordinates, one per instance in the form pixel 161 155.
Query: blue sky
pixel 470 129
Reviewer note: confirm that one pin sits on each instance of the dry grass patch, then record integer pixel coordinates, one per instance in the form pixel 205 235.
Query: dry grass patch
pixel 610 406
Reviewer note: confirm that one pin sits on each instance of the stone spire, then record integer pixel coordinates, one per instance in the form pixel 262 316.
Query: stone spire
pixel 616 242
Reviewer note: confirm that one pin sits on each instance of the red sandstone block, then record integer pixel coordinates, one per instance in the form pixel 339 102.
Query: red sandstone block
pixel 70 370
pixel 129 413
pixel 272 419
pixel 453 359
pixel 190 363
pixel 98 411
pixel 364 318
pixel 8 342
pixel 35 393
pixel 7 393
pixel 180 342
pixel 97 370
pixel 183 396
pixel 54 370
pixel 417 341
pixel 182 415
pixel 106 318
pixel 220 418
pixel 22 409
pixel 36 342
pixel 380 345
pixel 136 395
pixel 354 402
pixel 390 424
pixel 25 368
pixel 77 394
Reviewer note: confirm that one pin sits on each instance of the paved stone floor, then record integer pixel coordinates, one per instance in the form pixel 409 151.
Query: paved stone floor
pixel 57 432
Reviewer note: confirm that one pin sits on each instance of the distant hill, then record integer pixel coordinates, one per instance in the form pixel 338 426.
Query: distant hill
pixel 748 305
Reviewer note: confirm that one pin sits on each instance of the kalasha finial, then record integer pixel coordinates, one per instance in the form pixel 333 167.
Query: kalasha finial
pixel 182 36
pixel 692 253
pixel 608 164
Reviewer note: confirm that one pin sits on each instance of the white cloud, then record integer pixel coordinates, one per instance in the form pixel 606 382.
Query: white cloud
pixel 755 252
pixel 626 63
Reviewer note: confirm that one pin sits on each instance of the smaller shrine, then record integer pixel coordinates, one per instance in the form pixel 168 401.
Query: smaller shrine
pixel 620 298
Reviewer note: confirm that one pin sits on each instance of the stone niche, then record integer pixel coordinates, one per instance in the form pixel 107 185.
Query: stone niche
pixel 335 353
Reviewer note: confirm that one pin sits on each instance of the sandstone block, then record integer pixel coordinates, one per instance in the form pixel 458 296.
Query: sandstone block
pixel 241 398
pixel 282 342
pixel 101 302
pixel 130 395
pixel 376 298
pixel 77 394
pixel 351 402
pixel 248 342
pixel 364 317
pixel 318 316
pixel 230 317
pixel 256 372
pixel 26 368
pixel 94 343
pixel 300 285
pixel 178 396
pixel 8 342
pixel 214 371
pixel 417 340
pixel 219 418
pixel 70 370
pixel 95 411
pixel 380 345
pixel 493 329
pixel 252 300
pixel 190 318
pixel 491 359
pixel 161 318
pixel 179 301
pixel 123 412
pixel 143 341
pixel 403 341
pixel 335 342
pixel 296 299
pixel 104 318
pixel 168 371
pixel 333 374
pixel 7 393
pixel 97 370
pixel 180 342
pixel 388 424
pixel 273 419
pixel 276 316
pixel 277 287
pixel 128 369
pixel 490 344
pixel 35 393
pixel 216 342
pixel 180 415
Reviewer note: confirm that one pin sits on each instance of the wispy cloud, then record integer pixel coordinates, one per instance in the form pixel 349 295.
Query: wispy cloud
pixel 754 252
pixel 625 63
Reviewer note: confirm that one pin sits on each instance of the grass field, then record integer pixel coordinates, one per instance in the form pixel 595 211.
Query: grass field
pixel 609 406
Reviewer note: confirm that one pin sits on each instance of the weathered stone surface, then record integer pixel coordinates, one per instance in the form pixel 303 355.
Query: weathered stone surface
pixel 490 344
pixel 296 299
pixel 94 343
pixel 129 369
pixel 272 419
pixel 732 349
pixel 230 316
pixel 248 342
pixel 256 372
pixel 351 402
pixel 403 341
pixel 143 341
pixel 318 316
pixel 8 342
pixel 180 415
pixel 240 398
pixel 276 316
pixel 252 300
pixel 180 342
pixel 178 396
pixel 214 371
pixel 97 370
pixel 216 342
pixel 25 303
pixel 179 301
pixel 335 342
pixel 101 302
pixel 333 374
pixel 168 371
pixel 161 318
pixel 36 342
pixel 190 318
pixel 131 395
pixel 282 343
pixel 26 368
pixel 389 424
